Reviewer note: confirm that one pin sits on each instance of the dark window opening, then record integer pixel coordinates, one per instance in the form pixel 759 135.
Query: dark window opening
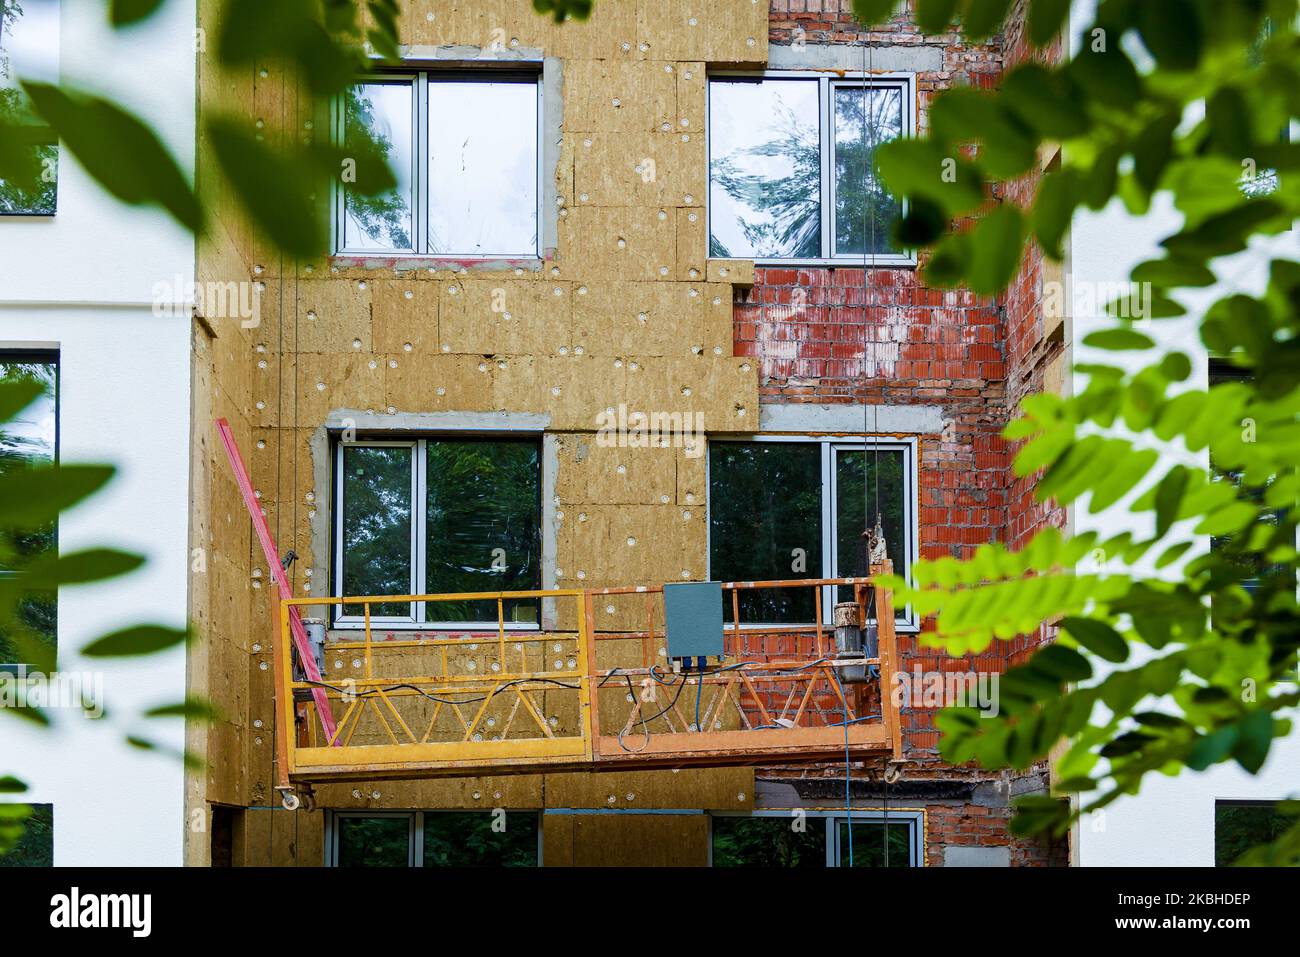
pixel 26 835
pixel 1242 825
pixel 440 516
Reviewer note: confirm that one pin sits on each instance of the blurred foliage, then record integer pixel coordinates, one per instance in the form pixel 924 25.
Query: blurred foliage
pixel 1161 666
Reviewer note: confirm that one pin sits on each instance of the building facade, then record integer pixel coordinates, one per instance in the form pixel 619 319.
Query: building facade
pixel 694 245
pixel 654 221
pixel 82 278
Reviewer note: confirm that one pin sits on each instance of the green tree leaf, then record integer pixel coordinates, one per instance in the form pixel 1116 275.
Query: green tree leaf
pixel 1118 340
pixel 1061 662
pixel 1213 748
pixel 1046 18
pixel 1171 30
pixel 982 18
pixel 935 16
pixel 871 12
pixel 122 13
pixel 193 708
pixel 30 497
pixel 996 244
pixel 93 564
pixel 16 396
pixel 1254 739
pixel 123 154
pixel 270 187
pixel 139 640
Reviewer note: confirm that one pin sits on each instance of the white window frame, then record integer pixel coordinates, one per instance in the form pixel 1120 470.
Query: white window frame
pixel 831 821
pixel 828 82
pixel 418 618
pixel 905 619
pixel 415 833
pixel 419 78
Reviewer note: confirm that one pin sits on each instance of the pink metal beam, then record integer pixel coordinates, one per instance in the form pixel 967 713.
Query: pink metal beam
pixel 272 554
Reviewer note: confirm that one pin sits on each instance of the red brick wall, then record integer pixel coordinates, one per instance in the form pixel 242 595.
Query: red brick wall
pixel 818 336
pixel 1029 352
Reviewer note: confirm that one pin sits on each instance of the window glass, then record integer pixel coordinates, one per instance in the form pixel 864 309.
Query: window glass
pixel 374 841
pixel 29 440
pixel 483 519
pixel 862 479
pixel 379 115
pixel 869 844
pixel 775 163
pixel 29 49
pixel 1240 826
pixel 766 520
pixel 35 848
pixel 769 842
pixel 765 517
pixel 764 169
pixel 865 212
pixel 470 839
pixel 476 527
pixel 377 524
pixel 482 167
pixel 1253 570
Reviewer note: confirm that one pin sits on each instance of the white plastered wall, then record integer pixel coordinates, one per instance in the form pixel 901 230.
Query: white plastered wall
pixel 84 282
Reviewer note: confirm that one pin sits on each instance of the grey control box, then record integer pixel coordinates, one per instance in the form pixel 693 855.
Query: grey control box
pixel 693 619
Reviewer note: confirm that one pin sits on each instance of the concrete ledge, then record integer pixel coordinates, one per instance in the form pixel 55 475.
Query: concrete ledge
pixel 977 857
pixel 884 59
pixel 810 417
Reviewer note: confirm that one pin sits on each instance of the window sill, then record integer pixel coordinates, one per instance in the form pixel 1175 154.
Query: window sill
pixel 879 262
pixel 412 261
pixel 902 626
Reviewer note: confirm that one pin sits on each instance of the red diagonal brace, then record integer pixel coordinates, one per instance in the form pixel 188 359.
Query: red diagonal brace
pixel 273 562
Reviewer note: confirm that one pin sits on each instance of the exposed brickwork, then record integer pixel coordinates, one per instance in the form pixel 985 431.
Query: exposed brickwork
pixel 820 335
pixel 1029 349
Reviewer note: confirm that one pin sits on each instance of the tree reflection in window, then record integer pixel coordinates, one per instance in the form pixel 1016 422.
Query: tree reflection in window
pixel 477 839
pixel 766 173
pixel 863 483
pixel 377 123
pixel 483 526
pixel 374 841
pixel 377 524
pixel 765 195
pixel 765 515
pixel 30 439
pixel 865 212
pixel 477 525
pixel 766 520
pixel 29 49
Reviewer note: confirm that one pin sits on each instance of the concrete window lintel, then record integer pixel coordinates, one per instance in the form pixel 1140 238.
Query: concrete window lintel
pixel 893 419
pixel 893 58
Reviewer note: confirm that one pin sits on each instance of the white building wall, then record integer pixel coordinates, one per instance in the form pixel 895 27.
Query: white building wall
pixel 83 281
pixel 1171 822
